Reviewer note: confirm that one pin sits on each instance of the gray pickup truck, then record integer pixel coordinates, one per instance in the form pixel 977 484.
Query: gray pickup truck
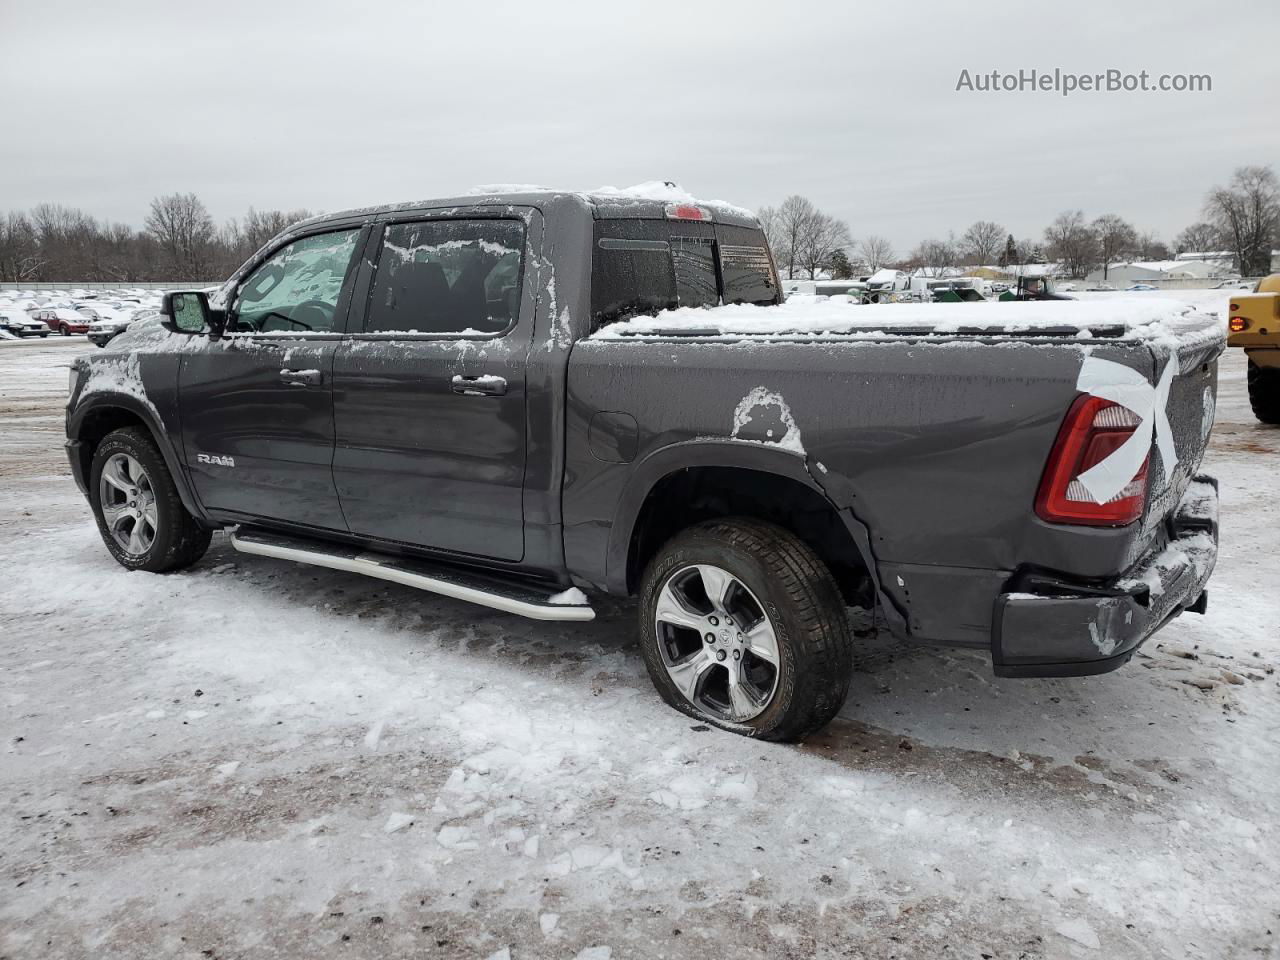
pixel 518 400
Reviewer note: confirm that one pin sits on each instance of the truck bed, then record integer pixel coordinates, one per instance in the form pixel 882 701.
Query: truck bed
pixel 1167 321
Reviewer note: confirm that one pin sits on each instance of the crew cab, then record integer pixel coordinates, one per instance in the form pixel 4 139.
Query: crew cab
pixel 526 399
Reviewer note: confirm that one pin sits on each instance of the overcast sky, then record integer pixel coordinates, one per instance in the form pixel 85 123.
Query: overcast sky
pixel 332 105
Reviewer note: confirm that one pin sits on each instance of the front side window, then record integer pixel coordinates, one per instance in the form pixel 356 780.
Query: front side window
pixel 459 277
pixel 296 289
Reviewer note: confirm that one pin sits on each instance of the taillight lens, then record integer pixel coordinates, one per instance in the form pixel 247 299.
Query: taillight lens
pixel 1238 324
pixel 1093 430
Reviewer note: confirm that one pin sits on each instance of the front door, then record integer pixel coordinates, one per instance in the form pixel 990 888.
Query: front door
pixel 257 403
pixel 429 395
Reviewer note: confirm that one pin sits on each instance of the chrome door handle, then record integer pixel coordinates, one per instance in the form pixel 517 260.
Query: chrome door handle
pixel 483 386
pixel 301 378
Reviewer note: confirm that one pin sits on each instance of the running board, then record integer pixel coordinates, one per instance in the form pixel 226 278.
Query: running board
pixel 446 581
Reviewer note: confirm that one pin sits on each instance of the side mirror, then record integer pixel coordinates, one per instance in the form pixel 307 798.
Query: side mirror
pixel 187 311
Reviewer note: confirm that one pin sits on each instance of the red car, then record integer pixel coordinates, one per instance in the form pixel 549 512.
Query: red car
pixel 63 321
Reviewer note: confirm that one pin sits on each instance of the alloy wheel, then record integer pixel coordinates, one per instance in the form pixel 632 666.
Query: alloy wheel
pixel 128 504
pixel 717 643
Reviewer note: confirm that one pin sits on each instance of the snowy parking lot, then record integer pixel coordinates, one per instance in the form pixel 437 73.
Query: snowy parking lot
pixel 253 758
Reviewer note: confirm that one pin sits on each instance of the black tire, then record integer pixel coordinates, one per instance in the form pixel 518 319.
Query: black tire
pixel 1264 392
pixel 64 330
pixel 804 606
pixel 44 334
pixel 179 540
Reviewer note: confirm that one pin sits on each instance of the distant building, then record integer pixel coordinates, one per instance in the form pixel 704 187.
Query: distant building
pixel 1154 271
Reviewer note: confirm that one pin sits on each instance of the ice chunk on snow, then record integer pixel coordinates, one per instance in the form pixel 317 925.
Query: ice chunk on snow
pixel 595 953
pixel 568 598
pixel 548 922
pixel 455 838
pixel 1079 930
pixel 374 735
pixel 397 821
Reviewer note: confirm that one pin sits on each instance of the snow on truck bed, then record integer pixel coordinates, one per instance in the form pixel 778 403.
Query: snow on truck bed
pixel 811 316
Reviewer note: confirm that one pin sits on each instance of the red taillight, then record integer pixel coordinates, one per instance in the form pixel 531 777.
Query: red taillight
pixel 687 211
pixel 1093 430
pixel 1237 324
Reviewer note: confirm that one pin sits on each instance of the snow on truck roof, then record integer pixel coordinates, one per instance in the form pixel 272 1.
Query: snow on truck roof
pixel 646 199
pixel 808 316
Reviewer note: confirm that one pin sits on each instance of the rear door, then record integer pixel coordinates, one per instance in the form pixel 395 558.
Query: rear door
pixel 429 393
pixel 257 403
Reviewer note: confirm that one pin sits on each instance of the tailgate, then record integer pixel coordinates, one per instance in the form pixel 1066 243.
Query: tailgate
pixel 1190 407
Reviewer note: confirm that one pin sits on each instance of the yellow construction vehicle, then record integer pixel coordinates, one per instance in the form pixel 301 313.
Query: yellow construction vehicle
pixel 1253 323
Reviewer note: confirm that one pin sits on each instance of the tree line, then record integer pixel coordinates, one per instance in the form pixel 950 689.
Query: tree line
pixel 178 241
pixel 1240 220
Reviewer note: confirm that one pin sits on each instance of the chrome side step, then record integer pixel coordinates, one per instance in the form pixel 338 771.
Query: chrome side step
pixel 447 582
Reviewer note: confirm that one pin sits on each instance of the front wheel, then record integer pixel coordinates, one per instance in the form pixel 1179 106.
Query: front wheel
pixel 1264 392
pixel 742 625
pixel 64 330
pixel 139 513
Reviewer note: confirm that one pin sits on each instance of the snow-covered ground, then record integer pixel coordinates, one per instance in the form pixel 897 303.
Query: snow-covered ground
pixel 255 759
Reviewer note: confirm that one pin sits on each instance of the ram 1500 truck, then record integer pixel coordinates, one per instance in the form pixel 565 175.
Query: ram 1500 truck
pixel 523 399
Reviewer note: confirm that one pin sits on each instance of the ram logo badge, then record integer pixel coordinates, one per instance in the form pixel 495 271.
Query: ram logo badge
pixel 214 460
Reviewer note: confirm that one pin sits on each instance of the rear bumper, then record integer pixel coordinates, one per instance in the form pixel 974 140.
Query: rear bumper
pixel 1053 627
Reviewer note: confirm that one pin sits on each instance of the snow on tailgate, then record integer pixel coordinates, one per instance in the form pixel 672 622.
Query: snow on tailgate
pixel 810 316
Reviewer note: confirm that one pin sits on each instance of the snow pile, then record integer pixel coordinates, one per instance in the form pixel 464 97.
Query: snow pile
pixel 817 316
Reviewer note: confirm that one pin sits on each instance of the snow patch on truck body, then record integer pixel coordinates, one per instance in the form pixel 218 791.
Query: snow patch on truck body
pixel 759 397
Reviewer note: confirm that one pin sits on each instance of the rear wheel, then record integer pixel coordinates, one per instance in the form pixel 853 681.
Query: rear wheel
pixel 741 625
pixel 1264 392
pixel 64 330
pixel 139 513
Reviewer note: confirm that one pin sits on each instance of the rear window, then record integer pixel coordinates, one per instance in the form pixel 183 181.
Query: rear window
pixel 644 266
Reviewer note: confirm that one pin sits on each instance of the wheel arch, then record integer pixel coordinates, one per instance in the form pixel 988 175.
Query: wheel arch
pixel 692 481
pixel 93 420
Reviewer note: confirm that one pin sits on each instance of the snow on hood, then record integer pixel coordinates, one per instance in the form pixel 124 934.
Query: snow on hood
pixel 818 316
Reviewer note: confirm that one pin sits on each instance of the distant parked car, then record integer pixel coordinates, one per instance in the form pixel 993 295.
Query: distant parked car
pixel 1236 285
pixel 1100 288
pixel 61 320
pixel 1142 286
pixel 20 324
pixel 103 332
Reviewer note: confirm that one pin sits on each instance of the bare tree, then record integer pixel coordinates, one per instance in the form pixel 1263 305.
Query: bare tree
pixel 824 236
pixel 1116 238
pixel 1072 243
pixel 770 220
pixel 183 228
pixel 1198 238
pixel 1149 246
pixel 934 257
pixel 1247 214
pixel 982 242
pixel 876 251
pixel 20 255
pixel 795 222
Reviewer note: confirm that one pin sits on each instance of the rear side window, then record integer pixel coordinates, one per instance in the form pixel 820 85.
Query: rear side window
pixel 645 266
pixel 745 266
pixel 447 277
